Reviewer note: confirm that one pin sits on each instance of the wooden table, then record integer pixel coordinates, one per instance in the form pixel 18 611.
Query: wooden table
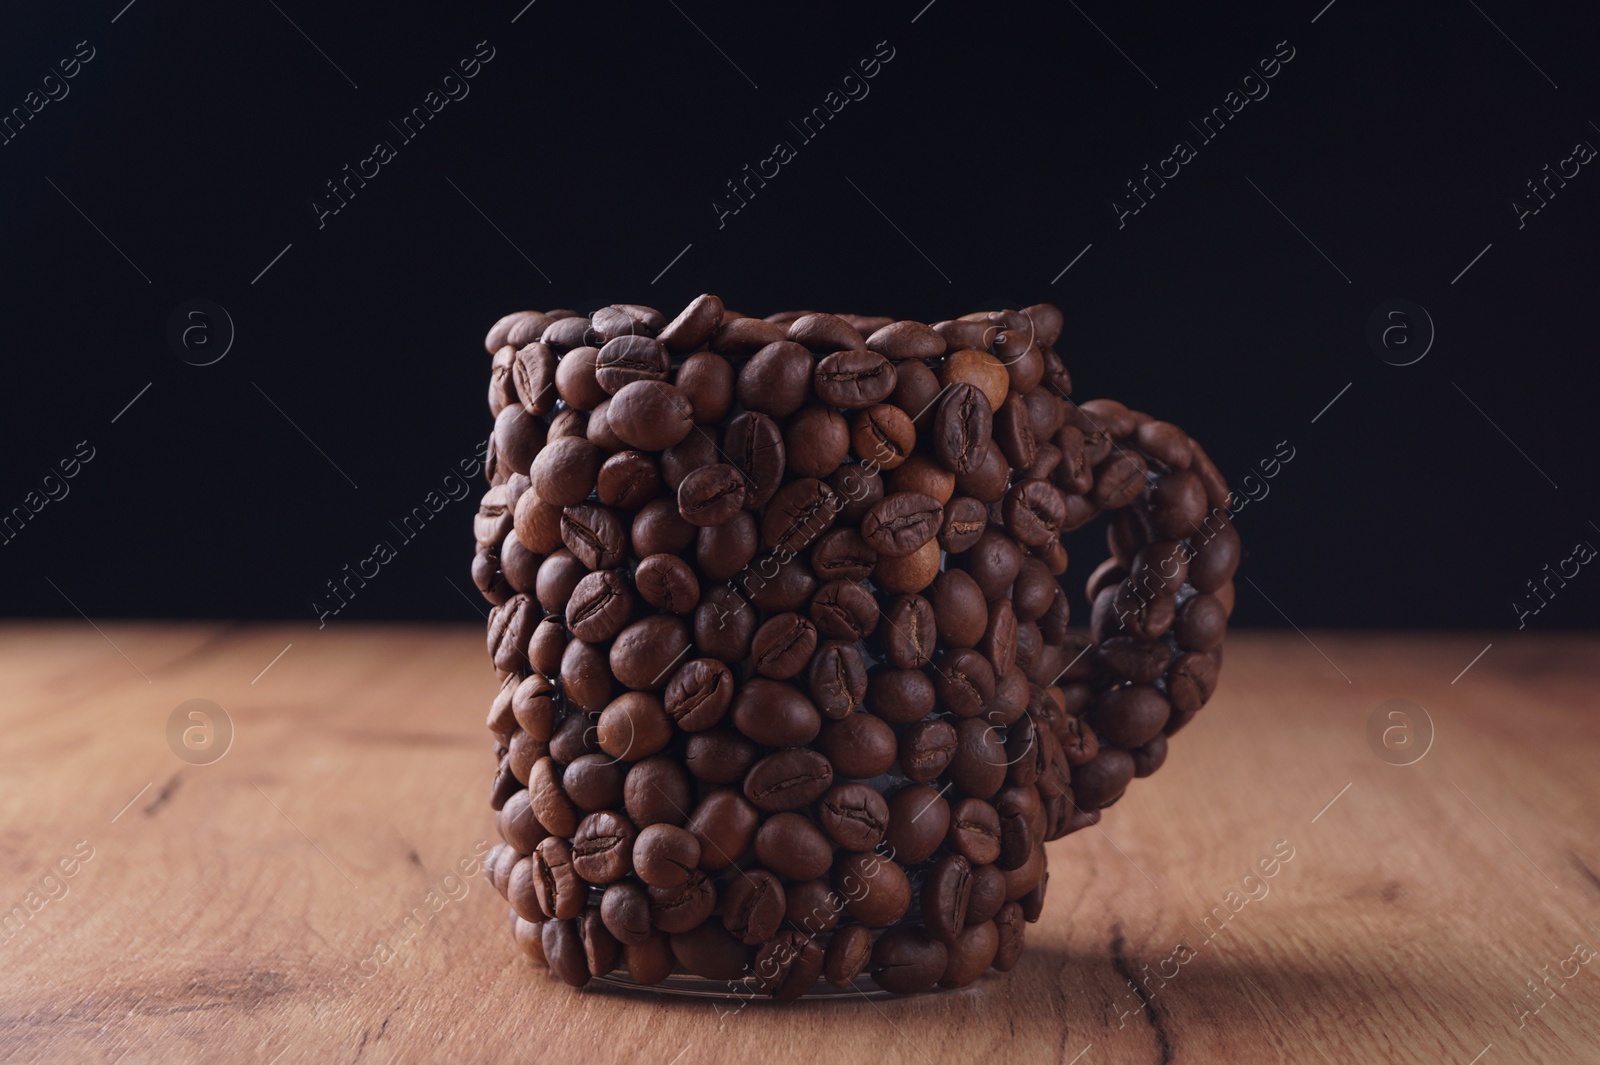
pixel 235 910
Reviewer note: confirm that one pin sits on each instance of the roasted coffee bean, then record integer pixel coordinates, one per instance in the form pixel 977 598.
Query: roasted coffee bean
pixel 599 606
pixel 594 535
pixel 970 955
pixel 537 523
pixel 774 714
pixel 823 333
pixel 1102 780
pixel 1201 624
pixel 518 437
pixel 926 749
pixel 963 522
pixel 602 848
pixel 923 473
pixel 725 824
pixel 783 645
pixel 517 824
pixel 665 855
pixel 502 384
pixel 855 816
pixel 788 965
pixel 1129 716
pixel 1216 556
pixel 575 377
pixel 1013 432
pixel 563 951
pixel 945 895
pixel 624 319
pixel 1035 512
pixel 1021 825
pixel 960 611
pixel 837 679
pixel 556 885
pixel 777 379
pixel 519 566
pixel 504 786
pixel 912 573
pixel 693 452
pixel 585 677
pixel 557 579
pixel 516 329
pixel 999 643
pixel 510 628
pixel 875 889
pixel 883 435
pixel 520 889
pixel 1190 682
pixel 1119 479
pixel 859 745
pixel 719 755
pixel 712 495
pixel 906 340
pixel 979 370
pixel 755 444
pixel 1131 611
pixel 523 753
pixel 1010 698
pixel 919 818
pixel 817 442
pixel 854 379
pixel 987 482
pixel 844 610
pixel 974 831
pixel 801 511
pixel 598 431
pixel 916 391
pixel 488 575
pixel 849 951
pixel 842 555
pixel 753 906
pixel 1010 923
pixel 859 487
pixel 645 653
pixel 600 948
pixel 1027 757
pixel 964 682
pixel 594 782
pixel 1022 880
pixel 908 961
pixel 1178 504
pixel 657 791
pixel 494 518
pixel 901 523
pixel 713 953
pixel 699 693
pixel 649 962
pixel 569 422
pixel 987 894
pixel 994 562
pixel 634 726
pixel 813 906
pixel 651 415
pixel 667 582
pixel 625 910
pixel 724 624
pixel 793 847
pixel 779 585
pixel 629 358
pixel 694 325
pixel 722 551
pixel 1160 569
pixel 681 908
pixel 900 696
pixel 533 705
pixel 707 379
pixel 908 632
pixel 788 779
pixel 628 479
pixel 961 428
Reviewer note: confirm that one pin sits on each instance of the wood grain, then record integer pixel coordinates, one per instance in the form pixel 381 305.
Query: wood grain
pixel 235 910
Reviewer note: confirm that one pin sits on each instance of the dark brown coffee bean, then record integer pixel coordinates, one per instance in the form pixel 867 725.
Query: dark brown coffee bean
pixel 667 582
pixel 901 523
pixel 1035 512
pixel 694 325
pixel 624 319
pixel 575 377
pixel 779 584
pixel 908 632
pixel 817 442
pixel 505 785
pixel 650 415
pixel 602 849
pixel 586 677
pixel 600 947
pixel 1150 757
pixel 629 358
pixel 837 679
pixel 693 452
pixel 600 606
pixel 919 818
pixel 725 824
pixel 899 696
pixel 1022 881
pixel 516 329
pixel 855 816
pixel 755 444
pixel 793 847
pixel 1021 825
pixel 788 779
pixel 719 755
pixel 633 726
pixel 964 682
pixel 774 714
pixel 1178 504
pixel 844 610
pixel 628 479
pixel 788 965
pixel 859 745
pixel 519 881
pixel 961 428
pixel 974 831
pixel 813 906
pixel 854 379
pixel 722 551
pixel 724 624
pixel 523 753
pixel 1135 613
pixel 517 824
pixel 944 898
pixel 1010 698
pixel 713 495
pixel 987 482
pixel 563 951
pixel 625 909
pixel 518 437
pixel 999 643
pixel 1128 659
pixel 908 961
pixel 594 782
pixel 971 955
pixel 1102 780
pixel 665 855
pixel 519 566
pixel 917 391
pixel 1190 683
pixel 550 803
pixel 753 906
pixel 777 379
pixel 511 626
pixel 1013 432
pixel 961 612
pixel 849 951
pixel 1010 924
pixel 875 889
pixel 533 705
pixel 987 894
pixel 657 791
pixel 1202 622
pixel 801 511
pixel 926 750
pixel 883 435
pixel 594 535
pixel 1119 479
pixel 906 340
pixel 699 693
pixel 555 882
pixel 783 645
pixel 1159 569
pixel 502 384
pixel 533 375
pixel 823 333
pixel 1216 556
pixel 1129 716
pixel 645 653
pixel 685 907
pixel 1027 757
pixel 963 521
pixel 558 578
pixel 649 962
pixel 842 555
pixel 707 379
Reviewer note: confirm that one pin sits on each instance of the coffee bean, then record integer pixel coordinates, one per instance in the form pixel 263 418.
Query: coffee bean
pixel 906 340
pixel 533 705
pixel 963 522
pixel 944 898
pixel 667 582
pixel 1010 924
pixel 1102 780
pixel 1119 479
pixel 778 583
pixel 883 435
pixel 594 535
pixel 599 606
pixel 725 824
pixel 684 907
pixel 630 358
pixel 993 563
pixel 585 676
pixel 1190 682
pixel 916 391
pixel 1035 512
pixel 859 745
pixel 516 329
pixel 628 479
pixel 665 855
pixel 961 428
pixel 645 653
pixel 899 696
pixel 713 495
pixel 987 894
pixel 594 782
pixel 569 421
pixel 1216 557
pixel 855 816
pixel 722 551
pixel 783 645
pixel 699 693
pixel 777 379
pixel 875 889
pixel 537 523
pixel 518 437
pixel 651 415
pixel 859 487
pixel 964 682
pixel 824 333
pixel 854 379
pixel 519 566
pixel 1129 716
pixel 925 474
pixel 575 377
pixel 847 955
pixel 657 791
pixel 563 951
pixel 634 726
pixel 974 831
pixel 970 955
pixel 1201 624
pixel 600 948
pixel 1160 569
pixel 788 779
pixel 801 511
pixel 695 451
pixel 842 555
pixel 602 848
pixel 753 906
pixel 960 611
pixel 756 447
pixel 774 714
pixel 724 623
pixel 708 380
pixel 1021 824
pixel 999 643
pixel 649 962
pixel 517 824
pixel 908 632
pixel 713 953
pixel 523 753
pixel 1013 432
pixel 694 325
pixel 624 319
pixel 510 628
pixel 837 678
pixel 1150 757
pixel 1178 504
pixel 817 442
pixel 625 910
pixel 813 906
pixel 793 847
pixel 908 961
pixel 901 523
pixel 926 749
pixel 788 965
pixel 556 885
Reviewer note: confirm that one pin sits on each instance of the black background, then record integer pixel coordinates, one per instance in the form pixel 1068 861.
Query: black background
pixel 597 138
